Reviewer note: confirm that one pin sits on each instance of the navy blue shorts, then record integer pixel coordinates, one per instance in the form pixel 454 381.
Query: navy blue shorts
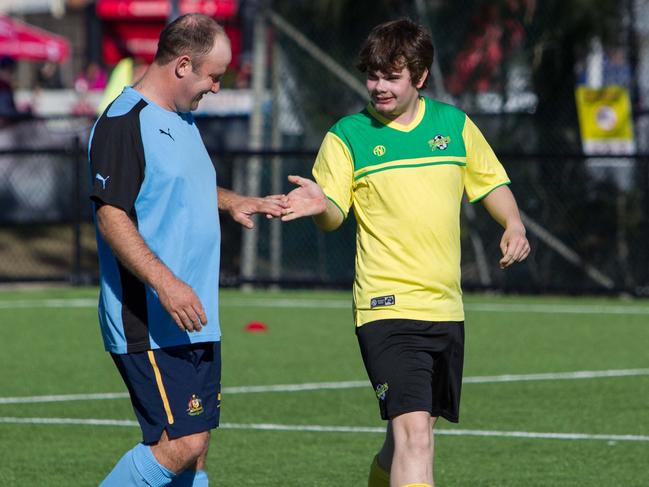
pixel 177 389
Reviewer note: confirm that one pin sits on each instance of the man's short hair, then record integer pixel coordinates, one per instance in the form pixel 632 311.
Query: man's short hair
pixel 395 45
pixel 192 35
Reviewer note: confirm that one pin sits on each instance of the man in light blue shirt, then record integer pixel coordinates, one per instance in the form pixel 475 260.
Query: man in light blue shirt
pixel 156 205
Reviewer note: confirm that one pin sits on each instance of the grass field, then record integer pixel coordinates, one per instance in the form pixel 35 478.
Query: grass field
pixel 556 393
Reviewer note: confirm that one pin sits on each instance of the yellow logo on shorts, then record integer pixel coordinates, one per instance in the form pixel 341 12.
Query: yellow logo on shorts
pixel 194 406
pixel 381 390
pixel 379 150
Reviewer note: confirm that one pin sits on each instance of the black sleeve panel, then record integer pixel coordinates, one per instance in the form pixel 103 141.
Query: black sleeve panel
pixel 117 159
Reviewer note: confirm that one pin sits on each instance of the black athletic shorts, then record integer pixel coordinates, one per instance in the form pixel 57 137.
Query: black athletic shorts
pixel 414 365
pixel 177 389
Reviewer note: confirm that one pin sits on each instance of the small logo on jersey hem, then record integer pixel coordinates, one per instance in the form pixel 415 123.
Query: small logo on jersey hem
pixel 168 132
pixel 195 406
pixel 379 150
pixel 103 180
pixel 381 390
pixel 439 142
pixel 382 301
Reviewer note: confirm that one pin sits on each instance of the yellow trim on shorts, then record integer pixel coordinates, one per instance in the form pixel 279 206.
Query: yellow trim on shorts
pixel 161 387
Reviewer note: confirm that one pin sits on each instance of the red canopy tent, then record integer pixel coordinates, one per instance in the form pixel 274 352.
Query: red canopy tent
pixel 25 42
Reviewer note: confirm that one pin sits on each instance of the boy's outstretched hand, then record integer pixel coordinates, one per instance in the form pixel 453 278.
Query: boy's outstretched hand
pixel 307 199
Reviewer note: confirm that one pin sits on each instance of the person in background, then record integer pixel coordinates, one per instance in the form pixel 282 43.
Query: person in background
pixel 8 110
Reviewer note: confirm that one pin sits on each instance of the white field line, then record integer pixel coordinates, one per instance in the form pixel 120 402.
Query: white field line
pixel 49 303
pixel 318 386
pixel 337 429
pixel 547 308
pixel 580 374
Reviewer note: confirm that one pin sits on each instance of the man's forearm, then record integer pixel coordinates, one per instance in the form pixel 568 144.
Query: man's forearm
pixel 225 198
pixel 122 236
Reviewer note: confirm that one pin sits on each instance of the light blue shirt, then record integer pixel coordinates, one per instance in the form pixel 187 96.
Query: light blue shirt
pixel 153 164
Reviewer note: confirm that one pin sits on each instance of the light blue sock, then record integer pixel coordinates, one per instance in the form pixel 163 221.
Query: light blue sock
pixel 191 478
pixel 138 468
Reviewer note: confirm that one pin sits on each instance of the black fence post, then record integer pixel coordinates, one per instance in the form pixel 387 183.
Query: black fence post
pixel 76 277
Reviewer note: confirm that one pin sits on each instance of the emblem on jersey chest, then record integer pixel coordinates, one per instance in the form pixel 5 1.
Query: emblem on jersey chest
pixel 439 142
pixel 379 150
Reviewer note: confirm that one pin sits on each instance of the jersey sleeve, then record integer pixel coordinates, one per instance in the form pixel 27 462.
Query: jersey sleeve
pixel 116 162
pixel 484 172
pixel 333 171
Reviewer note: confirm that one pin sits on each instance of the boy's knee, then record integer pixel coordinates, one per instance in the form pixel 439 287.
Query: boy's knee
pixel 414 434
pixel 418 441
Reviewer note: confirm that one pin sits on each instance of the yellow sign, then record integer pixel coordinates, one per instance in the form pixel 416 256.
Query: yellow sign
pixel 605 121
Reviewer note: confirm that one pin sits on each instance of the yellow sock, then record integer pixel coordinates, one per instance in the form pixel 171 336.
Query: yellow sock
pixel 378 477
pixel 417 485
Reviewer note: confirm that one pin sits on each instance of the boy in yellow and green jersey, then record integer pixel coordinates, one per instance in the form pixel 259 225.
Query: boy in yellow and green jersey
pixel 403 165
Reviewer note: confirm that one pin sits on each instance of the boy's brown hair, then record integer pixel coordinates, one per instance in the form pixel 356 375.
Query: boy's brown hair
pixel 395 45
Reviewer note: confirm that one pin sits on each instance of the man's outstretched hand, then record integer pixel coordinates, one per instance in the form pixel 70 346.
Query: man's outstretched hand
pixel 241 208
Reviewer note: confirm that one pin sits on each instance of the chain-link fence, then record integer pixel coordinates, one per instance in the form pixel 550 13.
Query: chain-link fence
pixel 587 224
pixel 512 65
pixel 45 230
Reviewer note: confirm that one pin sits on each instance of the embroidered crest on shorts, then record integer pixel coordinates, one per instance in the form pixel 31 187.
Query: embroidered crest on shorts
pixel 194 406
pixel 381 390
pixel 382 301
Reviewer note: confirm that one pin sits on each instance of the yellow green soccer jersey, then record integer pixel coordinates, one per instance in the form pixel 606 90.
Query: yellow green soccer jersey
pixel 405 183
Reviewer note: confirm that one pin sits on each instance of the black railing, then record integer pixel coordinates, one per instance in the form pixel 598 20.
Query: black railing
pixel 588 221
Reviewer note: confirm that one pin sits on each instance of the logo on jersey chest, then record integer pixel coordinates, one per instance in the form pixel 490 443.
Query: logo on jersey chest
pixel 167 133
pixel 439 142
pixel 379 150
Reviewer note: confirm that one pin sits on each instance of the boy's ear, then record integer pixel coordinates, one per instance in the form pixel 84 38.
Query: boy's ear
pixel 422 79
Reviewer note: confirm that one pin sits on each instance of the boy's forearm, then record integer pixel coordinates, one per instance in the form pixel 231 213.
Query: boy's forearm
pixel 330 219
pixel 502 207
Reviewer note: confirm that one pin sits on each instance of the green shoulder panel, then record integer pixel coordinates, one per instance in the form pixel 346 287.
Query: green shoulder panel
pixel 371 142
pixel 347 127
pixel 451 116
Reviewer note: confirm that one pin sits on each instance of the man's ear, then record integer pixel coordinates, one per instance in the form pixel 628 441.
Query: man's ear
pixel 422 79
pixel 183 66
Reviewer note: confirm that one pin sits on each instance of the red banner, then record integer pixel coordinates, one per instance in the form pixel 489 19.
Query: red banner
pixel 161 9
